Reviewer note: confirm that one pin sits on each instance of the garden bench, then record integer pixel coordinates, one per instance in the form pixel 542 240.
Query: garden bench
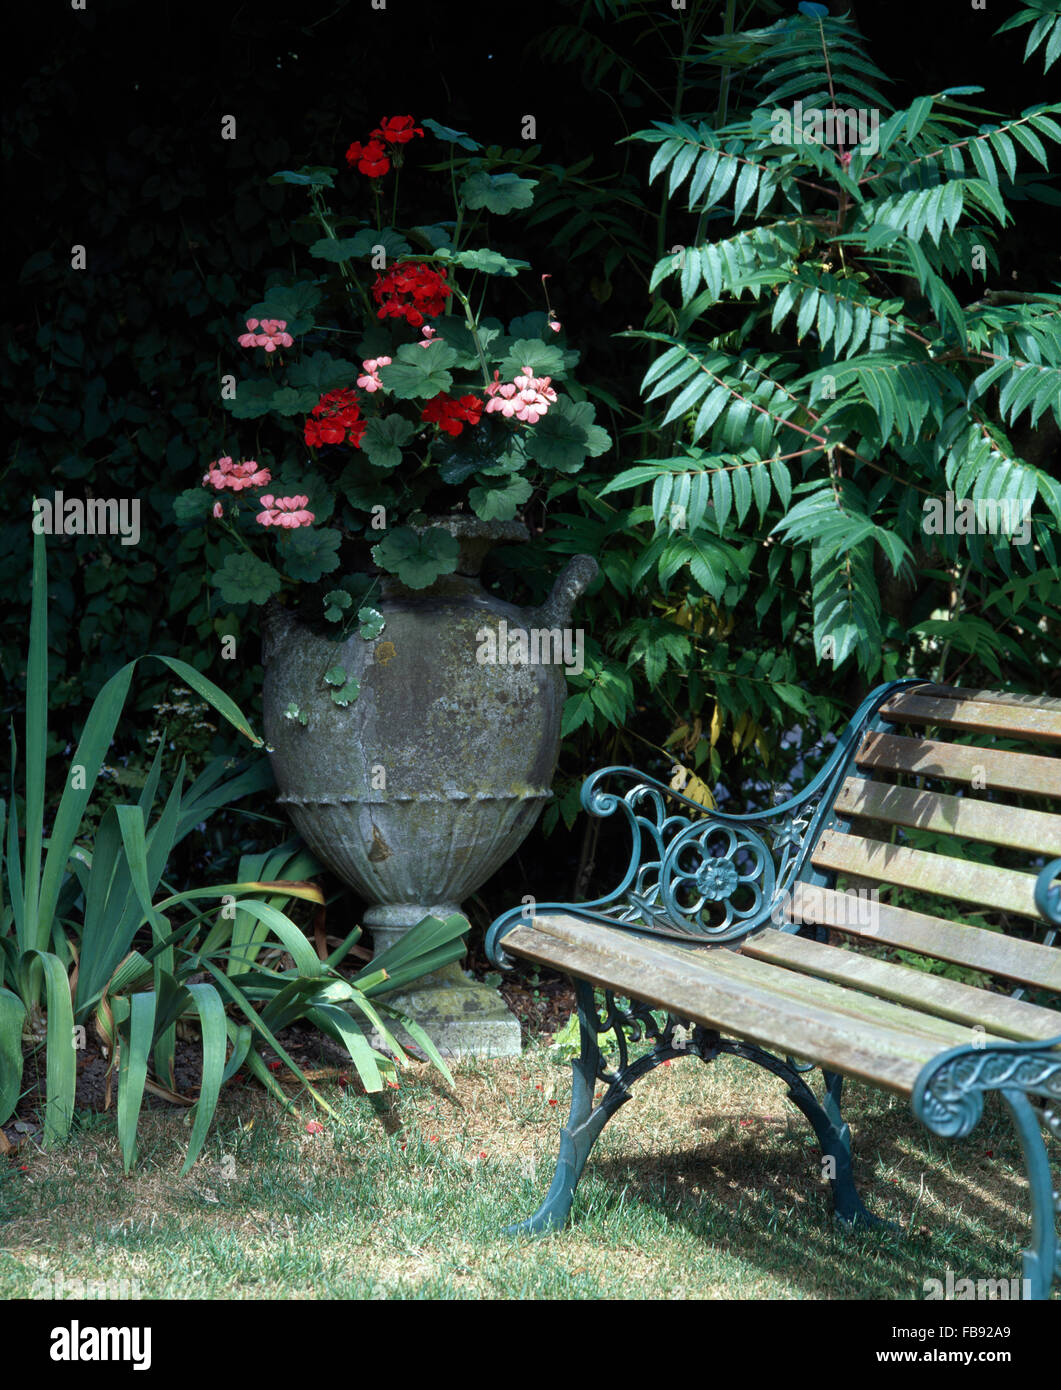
pixel 729 934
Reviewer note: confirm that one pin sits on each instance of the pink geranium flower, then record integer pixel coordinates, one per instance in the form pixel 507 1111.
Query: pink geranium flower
pixel 370 381
pixel 223 473
pixel 527 398
pixel 273 334
pixel 289 512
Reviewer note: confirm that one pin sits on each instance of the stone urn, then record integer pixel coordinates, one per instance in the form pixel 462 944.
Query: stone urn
pixel 421 787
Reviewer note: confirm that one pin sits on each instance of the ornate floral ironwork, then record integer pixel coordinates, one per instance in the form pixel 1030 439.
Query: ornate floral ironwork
pixel 949 1095
pixel 673 1038
pixel 949 1098
pixel 704 874
pixel 716 879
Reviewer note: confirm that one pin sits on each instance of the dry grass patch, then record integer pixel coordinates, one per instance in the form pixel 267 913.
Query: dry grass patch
pixel 706 1185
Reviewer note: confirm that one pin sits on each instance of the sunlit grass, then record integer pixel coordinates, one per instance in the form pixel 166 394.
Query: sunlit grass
pixel 706 1185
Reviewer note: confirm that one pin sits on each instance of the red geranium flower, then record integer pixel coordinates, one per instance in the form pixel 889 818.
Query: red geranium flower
pixel 370 158
pixel 452 414
pixel 396 130
pixel 336 417
pixel 411 291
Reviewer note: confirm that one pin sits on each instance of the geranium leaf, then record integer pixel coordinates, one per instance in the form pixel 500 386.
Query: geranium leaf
pixel 564 437
pixel 384 438
pixel 313 176
pixel 544 359
pixel 451 137
pixel 252 399
pixel 417 558
pixel 361 245
pixel 498 193
pixel 336 601
pixel 489 262
pixel 244 578
pixel 311 552
pixel 500 503
pixel 419 373
pixel 191 508
pixel 321 372
pixel 371 623
pixel 292 303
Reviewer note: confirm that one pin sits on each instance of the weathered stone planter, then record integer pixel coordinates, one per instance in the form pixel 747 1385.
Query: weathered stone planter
pixel 420 789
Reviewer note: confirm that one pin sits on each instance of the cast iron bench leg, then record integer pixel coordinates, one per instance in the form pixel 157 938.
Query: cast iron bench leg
pixel 1043 1260
pixel 949 1099
pixel 583 1126
pixel 832 1132
pixel 585 1121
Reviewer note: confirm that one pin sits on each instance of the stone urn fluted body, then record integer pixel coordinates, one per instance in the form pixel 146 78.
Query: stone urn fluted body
pixel 421 787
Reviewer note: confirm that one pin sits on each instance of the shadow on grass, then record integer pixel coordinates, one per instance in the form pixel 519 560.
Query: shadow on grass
pixel 757 1193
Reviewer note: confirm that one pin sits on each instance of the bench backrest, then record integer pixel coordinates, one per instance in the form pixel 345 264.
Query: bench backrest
pixel 977 774
pixel 713 876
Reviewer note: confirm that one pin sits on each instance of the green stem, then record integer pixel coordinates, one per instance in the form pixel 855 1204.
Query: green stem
pixel 469 318
pixel 727 71
pixel 320 212
pixel 957 613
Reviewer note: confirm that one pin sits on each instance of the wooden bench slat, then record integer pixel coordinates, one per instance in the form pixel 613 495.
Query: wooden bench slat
pixel 996 697
pixel 1039 832
pixel 1011 1018
pixel 960 762
pixel 1013 721
pixel 985 884
pixel 826 994
pixel 631 966
pixel 802 989
pixel 1025 962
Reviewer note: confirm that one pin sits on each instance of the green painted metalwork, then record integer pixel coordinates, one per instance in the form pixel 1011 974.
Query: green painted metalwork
pixel 1048 898
pixel 711 876
pixel 948 1098
pixel 714 877
pixel 673 1040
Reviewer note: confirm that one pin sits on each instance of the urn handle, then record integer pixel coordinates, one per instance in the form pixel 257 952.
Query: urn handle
pixel 571 583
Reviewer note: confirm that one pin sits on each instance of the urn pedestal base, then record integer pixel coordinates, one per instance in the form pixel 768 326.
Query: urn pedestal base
pixel 462 1016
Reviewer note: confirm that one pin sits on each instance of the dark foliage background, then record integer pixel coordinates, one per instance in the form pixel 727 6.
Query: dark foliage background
pixel 109 376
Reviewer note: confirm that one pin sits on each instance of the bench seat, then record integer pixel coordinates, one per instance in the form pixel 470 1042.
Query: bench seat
pixel 774 991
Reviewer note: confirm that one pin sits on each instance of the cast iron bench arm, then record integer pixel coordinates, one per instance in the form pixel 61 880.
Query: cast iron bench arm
pixel 710 876
pixel 1047 899
pixel 948 1098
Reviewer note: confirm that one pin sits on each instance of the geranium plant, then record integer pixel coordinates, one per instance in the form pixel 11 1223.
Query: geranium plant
pixel 399 398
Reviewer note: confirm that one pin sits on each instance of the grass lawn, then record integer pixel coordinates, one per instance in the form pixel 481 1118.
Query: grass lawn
pixel 705 1185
